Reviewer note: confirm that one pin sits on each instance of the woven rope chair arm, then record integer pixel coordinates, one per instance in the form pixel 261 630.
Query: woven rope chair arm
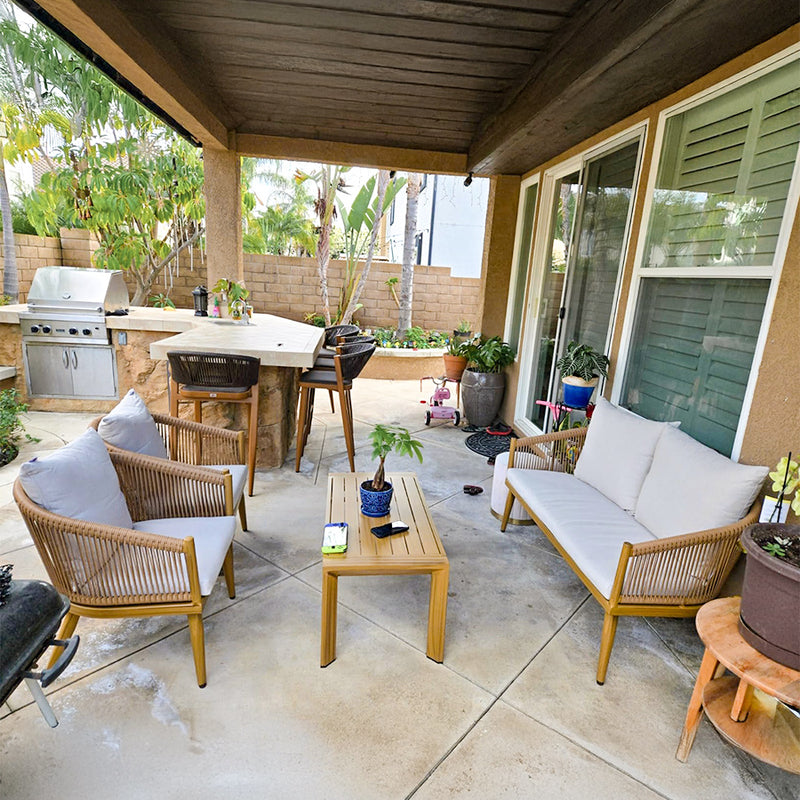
pixel 196 443
pixel 155 488
pixel 103 565
pixel 556 452
pixel 689 569
pixel 332 332
pixel 354 358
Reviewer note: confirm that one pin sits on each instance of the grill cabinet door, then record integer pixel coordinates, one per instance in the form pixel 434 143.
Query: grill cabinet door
pixel 48 370
pixel 94 371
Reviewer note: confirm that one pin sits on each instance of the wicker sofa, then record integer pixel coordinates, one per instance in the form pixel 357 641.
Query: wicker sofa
pixel 648 518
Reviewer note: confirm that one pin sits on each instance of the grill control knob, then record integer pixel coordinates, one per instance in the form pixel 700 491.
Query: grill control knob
pixel 86 332
pixel 73 331
pixel 46 329
pixel 34 329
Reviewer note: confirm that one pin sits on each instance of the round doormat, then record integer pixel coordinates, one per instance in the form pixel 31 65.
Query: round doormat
pixel 486 444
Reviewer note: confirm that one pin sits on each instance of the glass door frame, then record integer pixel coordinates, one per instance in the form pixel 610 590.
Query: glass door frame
pixel 528 352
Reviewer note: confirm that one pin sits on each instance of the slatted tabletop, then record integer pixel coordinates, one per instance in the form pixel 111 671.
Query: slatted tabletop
pixel 418 550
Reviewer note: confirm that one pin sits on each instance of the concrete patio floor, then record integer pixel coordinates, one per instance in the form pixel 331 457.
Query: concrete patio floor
pixel 513 712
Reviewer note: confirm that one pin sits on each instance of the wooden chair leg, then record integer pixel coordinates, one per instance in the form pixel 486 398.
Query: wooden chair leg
pixel 347 424
pixel 507 510
pixel 309 415
pixel 243 513
pixel 173 398
pixel 198 410
pixel 227 569
pixel 252 439
pixel 301 427
pixel 66 630
pixel 606 643
pixel 330 397
pixel 198 647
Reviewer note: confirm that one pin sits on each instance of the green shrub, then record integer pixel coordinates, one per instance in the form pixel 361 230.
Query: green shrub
pixel 11 428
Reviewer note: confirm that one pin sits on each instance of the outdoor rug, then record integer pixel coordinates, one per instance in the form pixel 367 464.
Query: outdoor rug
pixel 487 445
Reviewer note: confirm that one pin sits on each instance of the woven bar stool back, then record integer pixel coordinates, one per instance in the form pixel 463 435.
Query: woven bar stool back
pixel 219 377
pixel 347 366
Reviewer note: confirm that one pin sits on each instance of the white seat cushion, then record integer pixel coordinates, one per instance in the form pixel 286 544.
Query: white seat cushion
pixel 212 538
pixel 130 426
pixel 78 481
pixel 238 478
pixel 691 487
pixel 617 453
pixel 589 526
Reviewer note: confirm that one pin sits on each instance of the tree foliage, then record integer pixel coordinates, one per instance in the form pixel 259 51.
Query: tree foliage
pixel 112 167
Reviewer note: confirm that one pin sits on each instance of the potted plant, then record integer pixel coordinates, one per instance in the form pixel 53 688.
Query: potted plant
pixel 463 332
pixel 483 382
pixel 770 608
pixel 376 494
pixel 581 367
pixel 232 291
pixel 455 362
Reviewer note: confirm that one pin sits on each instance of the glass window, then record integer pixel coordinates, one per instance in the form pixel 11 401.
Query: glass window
pixel 694 341
pixel 522 260
pixel 724 176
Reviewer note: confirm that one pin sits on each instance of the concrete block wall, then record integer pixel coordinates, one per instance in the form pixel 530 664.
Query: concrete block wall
pixel 284 285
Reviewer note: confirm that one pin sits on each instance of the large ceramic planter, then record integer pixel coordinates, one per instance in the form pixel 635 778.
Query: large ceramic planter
pixel 770 615
pixel 577 391
pixel 482 396
pixel 454 367
pixel 375 504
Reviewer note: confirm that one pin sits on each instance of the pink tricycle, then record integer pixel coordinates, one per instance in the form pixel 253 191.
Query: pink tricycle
pixel 436 407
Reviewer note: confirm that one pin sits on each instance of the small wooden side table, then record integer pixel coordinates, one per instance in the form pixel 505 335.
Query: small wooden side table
pixel 417 551
pixel 755 722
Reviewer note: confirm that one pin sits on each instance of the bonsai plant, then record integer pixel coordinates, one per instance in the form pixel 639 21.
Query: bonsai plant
pixel 233 291
pixel 483 384
pixel 581 367
pixel 771 588
pixel 455 362
pixel 376 494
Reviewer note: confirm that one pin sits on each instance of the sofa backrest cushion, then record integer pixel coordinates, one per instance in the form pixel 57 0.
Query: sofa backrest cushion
pixel 617 453
pixel 130 426
pixel 77 481
pixel 691 487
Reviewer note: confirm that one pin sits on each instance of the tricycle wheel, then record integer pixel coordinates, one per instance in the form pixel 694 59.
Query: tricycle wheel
pixel 457 418
pixel 427 417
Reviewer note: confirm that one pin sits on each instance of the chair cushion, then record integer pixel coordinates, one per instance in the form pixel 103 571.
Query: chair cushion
pixel 617 453
pixel 78 481
pixel 589 526
pixel 691 487
pixel 130 426
pixel 238 476
pixel 321 376
pixel 212 538
pixel 189 387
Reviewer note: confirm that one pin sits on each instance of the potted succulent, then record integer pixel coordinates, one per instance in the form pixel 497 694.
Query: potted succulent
pixel 483 382
pixel 463 333
pixel 376 494
pixel 581 367
pixel 770 609
pixel 455 362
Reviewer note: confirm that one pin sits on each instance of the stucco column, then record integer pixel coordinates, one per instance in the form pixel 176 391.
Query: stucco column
pixel 498 251
pixel 223 194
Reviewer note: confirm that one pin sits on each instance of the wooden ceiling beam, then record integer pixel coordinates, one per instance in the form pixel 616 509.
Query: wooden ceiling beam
pixel 351 154
pixel 612 60
pixel 155 72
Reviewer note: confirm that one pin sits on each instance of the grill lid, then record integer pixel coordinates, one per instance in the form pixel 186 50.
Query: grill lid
pixel 71 289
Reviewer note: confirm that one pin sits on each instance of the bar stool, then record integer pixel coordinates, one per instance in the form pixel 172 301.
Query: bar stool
pixel 221 377
pixel 347 365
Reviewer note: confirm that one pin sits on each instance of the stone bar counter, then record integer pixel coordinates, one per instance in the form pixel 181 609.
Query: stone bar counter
pixel 141 341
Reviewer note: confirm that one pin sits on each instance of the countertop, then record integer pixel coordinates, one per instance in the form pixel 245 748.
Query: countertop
pixel 274 340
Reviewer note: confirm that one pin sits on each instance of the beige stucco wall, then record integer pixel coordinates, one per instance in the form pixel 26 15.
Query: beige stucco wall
pixel 774 419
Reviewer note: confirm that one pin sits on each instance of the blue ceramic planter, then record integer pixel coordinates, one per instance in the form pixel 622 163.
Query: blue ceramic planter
pixel 577 396
pixel 375 504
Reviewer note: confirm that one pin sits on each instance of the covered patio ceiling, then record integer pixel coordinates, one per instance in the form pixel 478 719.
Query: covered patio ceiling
pixel 484 86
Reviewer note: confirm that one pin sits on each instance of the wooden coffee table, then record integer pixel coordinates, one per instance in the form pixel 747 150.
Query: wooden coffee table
pixel 417 551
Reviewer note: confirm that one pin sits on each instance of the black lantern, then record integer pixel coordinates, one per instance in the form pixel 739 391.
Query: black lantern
pixel 200 297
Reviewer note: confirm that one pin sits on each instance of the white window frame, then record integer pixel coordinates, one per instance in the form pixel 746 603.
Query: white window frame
pixel 771 273
pixel 519 259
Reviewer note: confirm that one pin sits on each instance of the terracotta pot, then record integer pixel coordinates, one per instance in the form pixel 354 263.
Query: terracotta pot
pixel 454 366
pixel 770 613
pixel 482 395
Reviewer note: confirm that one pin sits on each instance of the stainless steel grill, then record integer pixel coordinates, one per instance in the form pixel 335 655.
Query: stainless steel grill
pixel 66 343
